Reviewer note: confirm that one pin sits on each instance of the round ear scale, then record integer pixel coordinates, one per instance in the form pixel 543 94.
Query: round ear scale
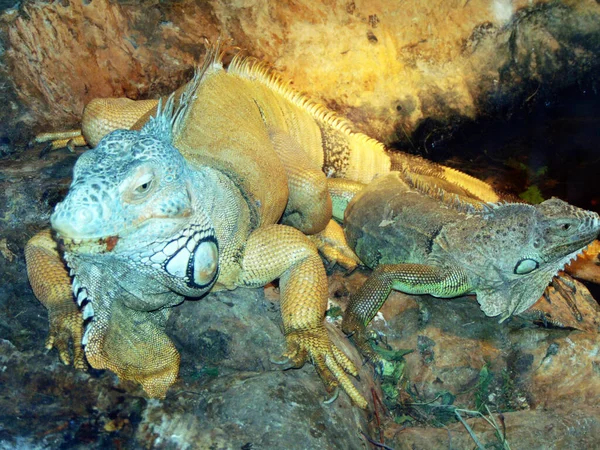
pixel 202 269
pixel 196 262
pixel 525 266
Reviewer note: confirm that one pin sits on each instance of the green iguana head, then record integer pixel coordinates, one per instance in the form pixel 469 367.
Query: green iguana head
pixel 135 236
pixel 512 251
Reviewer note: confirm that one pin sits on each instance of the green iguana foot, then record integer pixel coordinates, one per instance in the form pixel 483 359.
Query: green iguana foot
pixel 133 345
pixel 330 362
pixel 332 244
pixel 386 361
pixel 568 304
pixel 358 334
pixel 66 332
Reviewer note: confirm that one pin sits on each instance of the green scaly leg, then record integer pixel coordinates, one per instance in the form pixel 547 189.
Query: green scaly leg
pixel 442 282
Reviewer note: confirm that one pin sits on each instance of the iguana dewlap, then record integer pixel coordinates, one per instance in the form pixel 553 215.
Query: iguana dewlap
pixel 429 235
pixel 189 199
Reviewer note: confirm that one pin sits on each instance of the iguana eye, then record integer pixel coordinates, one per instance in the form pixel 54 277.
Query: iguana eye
pixel 144 187
pixel 141 186
pixel 565 226
pixel 525 266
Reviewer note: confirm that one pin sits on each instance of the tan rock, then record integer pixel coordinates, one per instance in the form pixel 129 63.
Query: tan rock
pixel 385 64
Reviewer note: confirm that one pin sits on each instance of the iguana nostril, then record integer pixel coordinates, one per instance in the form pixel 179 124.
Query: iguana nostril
pixel 84 215
pixel 75 222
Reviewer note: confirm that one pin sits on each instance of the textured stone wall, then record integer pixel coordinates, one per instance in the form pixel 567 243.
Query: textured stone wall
pixel 387 65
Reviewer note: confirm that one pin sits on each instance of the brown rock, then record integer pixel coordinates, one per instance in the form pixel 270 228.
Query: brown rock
pixel 526 430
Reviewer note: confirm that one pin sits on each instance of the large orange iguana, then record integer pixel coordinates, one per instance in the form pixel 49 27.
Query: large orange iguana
pixel 212 190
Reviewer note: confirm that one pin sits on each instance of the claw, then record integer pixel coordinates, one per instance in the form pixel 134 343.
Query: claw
pixel 65 358
pixel 332 244
pixel 568 291
pixel 331 363
pixel 280 362
pixel 287 363
pixel 350 271
pixel 333 398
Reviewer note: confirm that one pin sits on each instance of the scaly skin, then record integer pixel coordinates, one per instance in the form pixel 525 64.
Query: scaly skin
pixel 51 284
pixel 425 235
pixel 189 200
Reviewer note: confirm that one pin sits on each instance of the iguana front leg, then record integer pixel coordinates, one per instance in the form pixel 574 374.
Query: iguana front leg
pixel 409 278
pixel 100 117
pixel 279 251
pixel 130 343
pixel 51 284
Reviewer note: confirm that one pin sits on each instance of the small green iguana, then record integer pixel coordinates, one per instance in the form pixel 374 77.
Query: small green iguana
pixel 426 233
pixel 212 188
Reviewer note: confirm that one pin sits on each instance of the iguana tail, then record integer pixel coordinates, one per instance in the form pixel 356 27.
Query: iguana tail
pixel 430 177
pixel 446 184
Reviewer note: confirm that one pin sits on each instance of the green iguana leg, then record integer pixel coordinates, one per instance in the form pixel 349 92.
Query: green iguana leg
pixel 342 191
pixel 332 244
pixel 309 205
pixel 133 345
pixel 51 284
pixel 409 278
pixel 279 251
pixel 130 343
pixel 100 117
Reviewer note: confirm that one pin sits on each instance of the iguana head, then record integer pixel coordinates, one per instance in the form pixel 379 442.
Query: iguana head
pixel 131 204
pixel 512 251
pixel 137 240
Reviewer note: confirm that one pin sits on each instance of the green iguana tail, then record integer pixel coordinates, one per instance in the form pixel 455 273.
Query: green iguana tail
pixel 429 177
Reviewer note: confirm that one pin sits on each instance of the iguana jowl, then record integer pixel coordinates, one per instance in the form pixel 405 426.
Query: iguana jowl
pixel 189 200
pixel 424 233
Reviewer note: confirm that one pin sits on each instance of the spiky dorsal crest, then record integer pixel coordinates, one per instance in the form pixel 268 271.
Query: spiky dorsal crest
pixel 452 200
pixel 491 209
pixel 170 113
pixel 160 125
pixel 252 68
pixel 427 181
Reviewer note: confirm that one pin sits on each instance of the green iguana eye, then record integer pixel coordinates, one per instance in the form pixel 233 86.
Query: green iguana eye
pixel 525 266
pixel 143 184
pixel 140 186
pixel 144 187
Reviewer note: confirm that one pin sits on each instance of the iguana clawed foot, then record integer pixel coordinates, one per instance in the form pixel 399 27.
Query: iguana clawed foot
pixel 57 140
pixel 332 244
pixel 360 337
pixel 66 330
pixel 330 362
pixel 566 303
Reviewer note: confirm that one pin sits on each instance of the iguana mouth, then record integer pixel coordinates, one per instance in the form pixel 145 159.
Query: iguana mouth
pixel 93 245
pixel 582 244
